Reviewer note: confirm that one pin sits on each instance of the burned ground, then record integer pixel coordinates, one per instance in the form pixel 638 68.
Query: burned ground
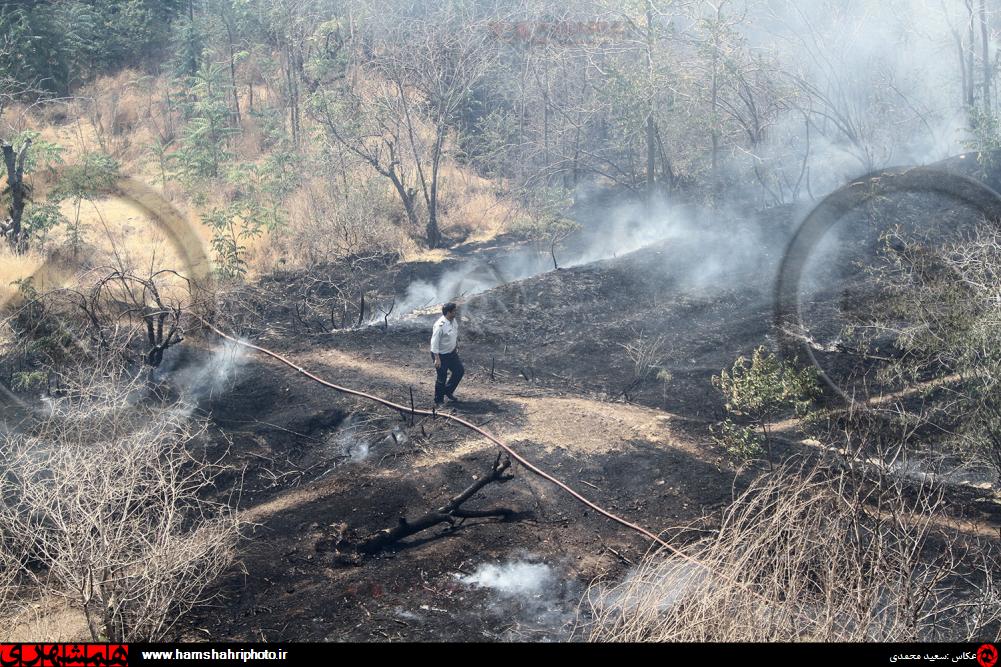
pixel 547 372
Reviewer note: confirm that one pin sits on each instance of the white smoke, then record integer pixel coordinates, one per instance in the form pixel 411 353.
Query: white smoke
pixel 216 375
pixel 886 78
pixel 884 89
pixel 623 229
pixel 513 579
pixel 528 597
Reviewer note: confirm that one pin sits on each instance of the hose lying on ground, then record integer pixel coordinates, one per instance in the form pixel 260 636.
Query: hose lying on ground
pixel 512 453
pixel 458 420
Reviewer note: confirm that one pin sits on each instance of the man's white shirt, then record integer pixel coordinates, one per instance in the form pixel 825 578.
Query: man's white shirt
pixel 444 336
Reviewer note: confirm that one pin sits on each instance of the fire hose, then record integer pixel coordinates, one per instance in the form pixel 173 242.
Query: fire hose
pixel 403 409
pixel 458 420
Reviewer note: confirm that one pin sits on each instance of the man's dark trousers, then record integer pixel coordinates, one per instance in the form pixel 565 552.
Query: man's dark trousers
pixel 449 362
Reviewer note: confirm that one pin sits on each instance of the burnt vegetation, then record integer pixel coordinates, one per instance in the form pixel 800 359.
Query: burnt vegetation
pixel 732 358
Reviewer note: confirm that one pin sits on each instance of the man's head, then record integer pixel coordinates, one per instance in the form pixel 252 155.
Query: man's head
pixel 449 310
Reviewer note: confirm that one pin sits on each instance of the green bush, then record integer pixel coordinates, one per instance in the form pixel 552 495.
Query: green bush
pixel 741 442
pixel 757 391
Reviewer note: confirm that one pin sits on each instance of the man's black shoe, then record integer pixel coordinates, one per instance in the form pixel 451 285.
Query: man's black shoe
pixel 452 399
pixel 438 403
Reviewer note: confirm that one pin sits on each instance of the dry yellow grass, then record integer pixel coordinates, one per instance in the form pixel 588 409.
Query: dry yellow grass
pixel 50 620
pixel 125 114
pixel 13 268
pixel 119 233
pixel 416 253
pixel 471 207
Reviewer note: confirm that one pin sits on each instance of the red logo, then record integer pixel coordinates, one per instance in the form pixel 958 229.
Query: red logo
pixel 64 655
pixel 987 655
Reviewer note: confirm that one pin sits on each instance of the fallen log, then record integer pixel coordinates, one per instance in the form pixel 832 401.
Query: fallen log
pixel 447 513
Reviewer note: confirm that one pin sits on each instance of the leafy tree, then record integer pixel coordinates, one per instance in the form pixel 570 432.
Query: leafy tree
pixel 277 178
pixel 985 138
pixel 58 44
pixel 189 46
pixel 44 156
pixel 205 137
pixel 15 193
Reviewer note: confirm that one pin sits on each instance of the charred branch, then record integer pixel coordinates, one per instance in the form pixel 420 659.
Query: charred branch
pixel 447 513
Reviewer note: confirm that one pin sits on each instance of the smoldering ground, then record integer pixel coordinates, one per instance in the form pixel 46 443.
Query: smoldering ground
pixel 536 597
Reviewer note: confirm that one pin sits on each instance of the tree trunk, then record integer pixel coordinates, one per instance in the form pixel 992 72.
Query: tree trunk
pixel 970 94
pixel 232 74
pixel 14 162
pixel 433 232
pixel 651 140
pixel 985 51
pixel 406 196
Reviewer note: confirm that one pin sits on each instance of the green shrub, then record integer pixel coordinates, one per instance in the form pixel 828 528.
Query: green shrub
pixel 757 391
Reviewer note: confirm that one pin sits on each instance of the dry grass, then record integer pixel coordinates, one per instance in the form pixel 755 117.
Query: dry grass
pixel 50 619
pixel 471 207
pixel 807 557
pixel 13 268
pixel 324 225
pixel 118 231
pixel 412 252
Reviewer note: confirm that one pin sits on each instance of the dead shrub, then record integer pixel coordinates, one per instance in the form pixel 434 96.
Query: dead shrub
pixel 12 559
pixel 108 499
pixel 810 556
pixel 647 354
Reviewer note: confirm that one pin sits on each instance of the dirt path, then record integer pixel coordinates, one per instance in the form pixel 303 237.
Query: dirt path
pixel 583 425
pixel 579 426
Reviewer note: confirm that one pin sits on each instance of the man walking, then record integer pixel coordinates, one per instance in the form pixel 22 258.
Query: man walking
pixel 445 354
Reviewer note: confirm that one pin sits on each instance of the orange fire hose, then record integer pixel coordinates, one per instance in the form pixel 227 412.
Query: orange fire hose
pixel 515 455
pixel 458 420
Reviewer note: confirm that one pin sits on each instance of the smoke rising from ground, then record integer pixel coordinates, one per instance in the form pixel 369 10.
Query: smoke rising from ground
pixel 512 579
pixel 535 601
pixel 214 375
pixel 697 255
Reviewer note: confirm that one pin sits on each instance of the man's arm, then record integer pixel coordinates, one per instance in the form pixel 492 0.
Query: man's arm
pixel 436 345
